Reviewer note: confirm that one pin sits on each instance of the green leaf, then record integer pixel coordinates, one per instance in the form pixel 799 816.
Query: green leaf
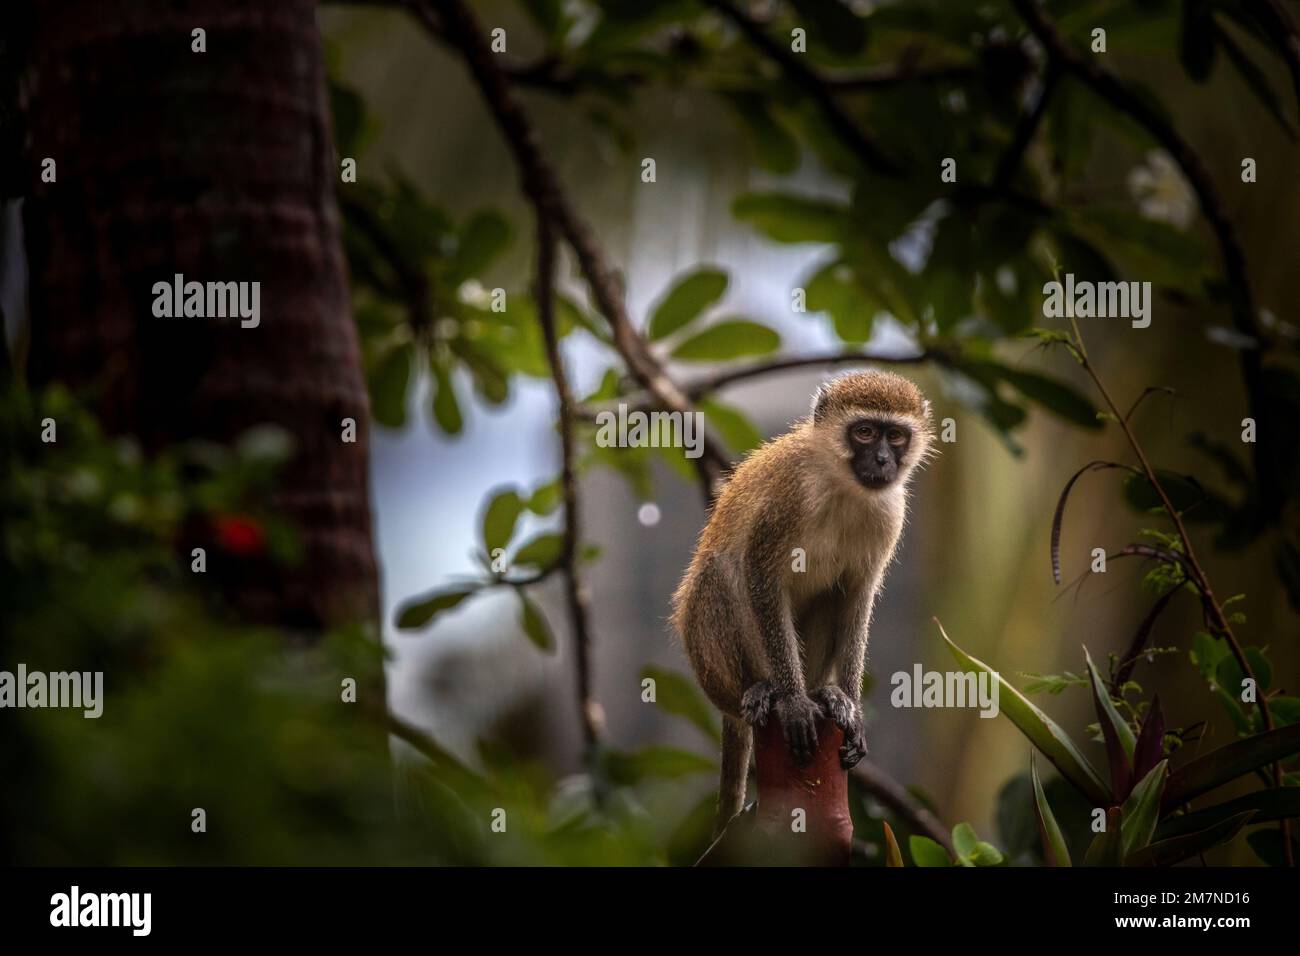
pixel 775 148
pixel 1179 848
pixel 1154 250
pixel 790 218
pixel 729 339
pixel 1142 809
pixel 1057 397
pixel 1230 677
pixel 1267 844
pixel 1230 762
pixel 971 850
pixel 926 852
pixel 686 301
pixel 1285 710
pixel 834 290
pixel 679 696
pixel 541 552
pixel 547 14
pixel 893 855
pixel 670 763
pixel 546 498
pixel 1274 803
pixel 832 25
pixel 534 623
pixel 964 839
pixel 446 409
pixel 1119 736
pixel 736 430
pixel 1108 846
pixel 1040 729
pixel 484 237
pixel 1185 493
pixel 1055 850
pixel 417 613
pixel 387 385
pixel 499 519
pixel 351 128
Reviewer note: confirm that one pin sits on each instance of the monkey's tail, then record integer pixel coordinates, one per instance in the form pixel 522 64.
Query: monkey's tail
pixel 737 741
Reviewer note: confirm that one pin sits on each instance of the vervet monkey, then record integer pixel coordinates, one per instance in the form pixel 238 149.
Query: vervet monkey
pixel 774 608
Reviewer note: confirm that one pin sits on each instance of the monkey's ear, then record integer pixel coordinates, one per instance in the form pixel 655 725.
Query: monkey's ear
pixel 819 400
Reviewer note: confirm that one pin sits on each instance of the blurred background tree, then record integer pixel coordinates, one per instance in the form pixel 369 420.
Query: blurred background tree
pixel 798 221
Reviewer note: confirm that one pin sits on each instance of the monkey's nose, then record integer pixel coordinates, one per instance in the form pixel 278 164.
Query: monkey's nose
pixel 881 458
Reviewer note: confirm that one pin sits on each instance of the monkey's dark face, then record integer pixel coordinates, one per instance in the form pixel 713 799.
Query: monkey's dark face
pixel 879 448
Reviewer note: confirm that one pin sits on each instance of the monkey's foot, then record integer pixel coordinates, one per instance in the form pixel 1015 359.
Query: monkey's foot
pixel 847 715
pixel 757 704
pixel 799 715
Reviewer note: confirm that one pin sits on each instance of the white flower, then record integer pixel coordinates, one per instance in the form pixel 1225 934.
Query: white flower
pixel 1161 191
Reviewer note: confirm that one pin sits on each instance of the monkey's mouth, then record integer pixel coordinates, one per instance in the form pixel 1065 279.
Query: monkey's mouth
pixel 874 481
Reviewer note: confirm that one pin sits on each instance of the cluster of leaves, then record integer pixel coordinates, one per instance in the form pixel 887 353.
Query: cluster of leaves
pixel 1146 805
pixel 502 553
pixel 419 298
pixel 95 575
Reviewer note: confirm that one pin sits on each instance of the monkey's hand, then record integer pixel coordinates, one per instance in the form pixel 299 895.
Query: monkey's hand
pixel 799 714
pixel 757 703
pixel 847 714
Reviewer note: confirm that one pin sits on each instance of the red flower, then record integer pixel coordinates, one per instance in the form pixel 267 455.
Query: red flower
pixel 239 534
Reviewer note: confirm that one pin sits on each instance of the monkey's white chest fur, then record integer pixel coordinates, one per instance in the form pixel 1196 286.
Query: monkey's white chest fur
pixel 851 535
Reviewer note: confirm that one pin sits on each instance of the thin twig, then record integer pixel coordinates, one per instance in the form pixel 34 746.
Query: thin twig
pixel 1139 642
pixel 1216 618
pixel 590 712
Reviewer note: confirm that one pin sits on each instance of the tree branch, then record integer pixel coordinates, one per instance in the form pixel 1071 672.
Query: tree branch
pixel 1030 120
pixel 1244 313
pixel 543 189
pixel 1271 13
pixel 813 86
pixel 892 794
pixel 590 712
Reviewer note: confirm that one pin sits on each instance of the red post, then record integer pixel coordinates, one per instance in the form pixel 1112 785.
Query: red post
pixel 802 814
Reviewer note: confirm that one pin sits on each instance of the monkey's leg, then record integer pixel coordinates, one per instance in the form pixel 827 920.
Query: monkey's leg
pixel 737 742
pixel 778 643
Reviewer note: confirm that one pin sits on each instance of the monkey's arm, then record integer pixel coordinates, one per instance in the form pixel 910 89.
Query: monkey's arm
pixel 851 645
pixel 768 595
pixel 842 701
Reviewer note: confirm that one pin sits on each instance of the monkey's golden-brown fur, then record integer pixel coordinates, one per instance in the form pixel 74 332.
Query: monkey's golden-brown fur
pixel 774 608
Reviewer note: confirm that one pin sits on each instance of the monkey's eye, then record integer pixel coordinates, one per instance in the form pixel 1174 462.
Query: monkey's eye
pixel 896 436
pixel 864 434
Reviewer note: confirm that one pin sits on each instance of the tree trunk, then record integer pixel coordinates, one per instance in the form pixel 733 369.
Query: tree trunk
pixel 218 166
